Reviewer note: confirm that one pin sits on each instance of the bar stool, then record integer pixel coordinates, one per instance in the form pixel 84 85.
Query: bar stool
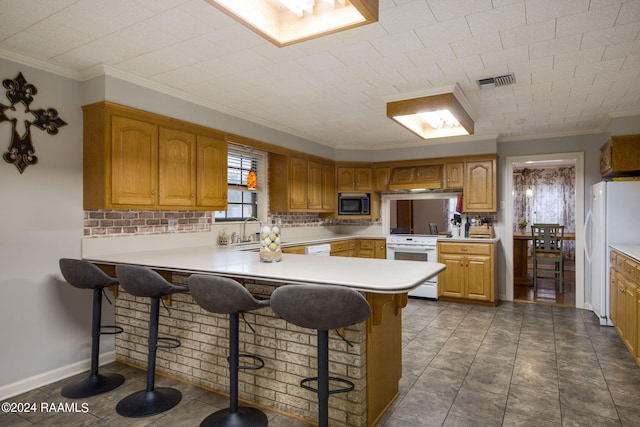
pixel 321 307
pixel 85 275
pixel 226 296
pixel 144 282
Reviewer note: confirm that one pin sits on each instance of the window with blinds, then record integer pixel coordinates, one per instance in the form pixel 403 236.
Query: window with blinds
pixel 244 171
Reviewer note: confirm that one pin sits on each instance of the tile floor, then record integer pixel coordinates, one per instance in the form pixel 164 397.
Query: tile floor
pixel 517 364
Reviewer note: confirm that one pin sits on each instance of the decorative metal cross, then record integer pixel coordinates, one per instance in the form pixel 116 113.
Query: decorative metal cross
pixel 21 151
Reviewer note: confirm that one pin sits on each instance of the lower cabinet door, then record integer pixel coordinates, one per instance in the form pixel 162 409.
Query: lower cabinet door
pixel 479 278
pixel 451 281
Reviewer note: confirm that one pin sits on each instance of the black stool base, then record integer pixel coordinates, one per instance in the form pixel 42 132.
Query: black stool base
pixel 146 403
pixel 245 417
pixel 93 385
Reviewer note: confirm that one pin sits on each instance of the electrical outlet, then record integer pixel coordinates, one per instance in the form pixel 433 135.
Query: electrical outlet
pixel 173 224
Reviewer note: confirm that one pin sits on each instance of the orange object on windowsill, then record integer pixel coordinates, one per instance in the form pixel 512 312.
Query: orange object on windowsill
pixel 252 180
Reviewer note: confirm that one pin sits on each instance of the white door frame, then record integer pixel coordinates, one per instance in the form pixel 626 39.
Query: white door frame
pixel 578 157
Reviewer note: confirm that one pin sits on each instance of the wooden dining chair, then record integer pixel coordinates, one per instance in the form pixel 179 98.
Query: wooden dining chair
pixel 547 250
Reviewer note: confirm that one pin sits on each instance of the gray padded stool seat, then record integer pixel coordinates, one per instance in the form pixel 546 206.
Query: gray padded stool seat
pixel 85 275
pixel 226 296
pixel 321 307
pixel 144 282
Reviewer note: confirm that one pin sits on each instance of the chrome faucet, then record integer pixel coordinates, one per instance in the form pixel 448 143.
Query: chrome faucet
pixel 246 238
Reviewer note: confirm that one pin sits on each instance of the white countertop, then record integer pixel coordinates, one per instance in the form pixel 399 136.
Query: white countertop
pixel 363 274
pixel 630 250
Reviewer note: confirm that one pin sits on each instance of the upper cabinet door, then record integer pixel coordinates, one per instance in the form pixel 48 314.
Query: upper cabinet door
pixel 211 175
pixel 355 179
pixel 314 186
pixel 177 168
pixel 329 194
pixel 364 179
pixel 454 175
pixel 346 179
pixel 134 154
pixel 299 184
pixel 480 186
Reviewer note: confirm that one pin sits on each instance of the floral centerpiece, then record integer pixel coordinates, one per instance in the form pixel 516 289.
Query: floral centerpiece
pixel 522 225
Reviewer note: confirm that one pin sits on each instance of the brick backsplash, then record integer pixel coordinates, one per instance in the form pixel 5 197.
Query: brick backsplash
pixel 108 223
pixel 103 223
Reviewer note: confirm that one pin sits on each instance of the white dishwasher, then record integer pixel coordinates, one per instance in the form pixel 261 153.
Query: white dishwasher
pixel 318 250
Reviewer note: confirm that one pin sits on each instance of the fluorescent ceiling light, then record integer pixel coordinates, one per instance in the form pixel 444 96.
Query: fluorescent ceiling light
pixel 284 22
pixel 434 116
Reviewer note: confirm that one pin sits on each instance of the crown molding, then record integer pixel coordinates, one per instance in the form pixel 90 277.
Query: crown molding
pixel 422 142
pixel 39 64
pixel 549 135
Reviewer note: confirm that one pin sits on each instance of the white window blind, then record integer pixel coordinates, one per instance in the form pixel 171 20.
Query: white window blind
pixel 241 201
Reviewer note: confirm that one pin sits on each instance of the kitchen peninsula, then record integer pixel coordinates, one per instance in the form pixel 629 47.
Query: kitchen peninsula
pixel 372 357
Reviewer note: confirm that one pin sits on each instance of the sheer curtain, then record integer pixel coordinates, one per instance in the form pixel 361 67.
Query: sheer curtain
pixel 546 195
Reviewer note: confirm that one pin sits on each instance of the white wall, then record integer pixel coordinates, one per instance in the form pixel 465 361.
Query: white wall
pixel 45 322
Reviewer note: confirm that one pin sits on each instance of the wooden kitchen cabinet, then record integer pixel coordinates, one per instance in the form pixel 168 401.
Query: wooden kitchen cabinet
pixel 372 248
pixel 480 186
pixel 382 176
pixel 300 185
pixel 620 156
pixel 381 249
pixel 413 177
pixel 211 159
pixel 329 193
pixel 469 274
pixel 625 299
pixel 355 179
pixel 138 160
pixel 134 164
pixel 176 167
pixel 346 248
pixel 299 249
pixel 454 175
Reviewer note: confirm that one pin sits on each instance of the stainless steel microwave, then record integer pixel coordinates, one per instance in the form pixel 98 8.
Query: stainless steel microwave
pixel 354 204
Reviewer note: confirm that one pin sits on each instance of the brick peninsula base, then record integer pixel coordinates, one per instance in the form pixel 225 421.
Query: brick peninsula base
pixel 373 363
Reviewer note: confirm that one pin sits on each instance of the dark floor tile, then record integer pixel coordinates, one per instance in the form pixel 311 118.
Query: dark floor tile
pixel 629 415
pixel 541 403
pixel 479 405
pixel 586 399
pixel 575 418
pixel 512 419
pixel 452 361
pixel 489 376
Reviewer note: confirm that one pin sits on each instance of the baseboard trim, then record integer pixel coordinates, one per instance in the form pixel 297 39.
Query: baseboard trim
pixel 45 378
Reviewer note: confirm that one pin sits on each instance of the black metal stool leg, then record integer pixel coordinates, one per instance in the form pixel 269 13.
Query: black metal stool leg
pixel 96 383
pixel 323 378
pixel 153 400
pixel 235 416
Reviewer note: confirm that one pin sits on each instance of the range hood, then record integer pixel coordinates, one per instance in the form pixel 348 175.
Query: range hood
pixel 426 177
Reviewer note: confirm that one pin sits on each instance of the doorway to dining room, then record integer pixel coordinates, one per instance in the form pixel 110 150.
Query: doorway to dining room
pixel 545 189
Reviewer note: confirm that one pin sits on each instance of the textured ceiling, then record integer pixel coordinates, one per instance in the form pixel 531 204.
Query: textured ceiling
pixel 576 62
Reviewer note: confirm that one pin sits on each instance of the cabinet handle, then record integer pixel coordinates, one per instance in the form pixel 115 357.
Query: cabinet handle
pixel 464 249
pixel 153 193
pixel 193 194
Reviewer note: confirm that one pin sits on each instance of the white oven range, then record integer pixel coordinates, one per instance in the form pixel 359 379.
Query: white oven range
pixel 416 247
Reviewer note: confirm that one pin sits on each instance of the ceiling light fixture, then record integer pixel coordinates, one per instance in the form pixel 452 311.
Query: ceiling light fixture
pixel 438 114
pixel 284 22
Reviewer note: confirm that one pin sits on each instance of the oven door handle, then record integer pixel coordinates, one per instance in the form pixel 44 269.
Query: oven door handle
pixel 412 248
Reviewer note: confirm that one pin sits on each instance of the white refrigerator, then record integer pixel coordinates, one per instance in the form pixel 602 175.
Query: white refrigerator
pixel 613 218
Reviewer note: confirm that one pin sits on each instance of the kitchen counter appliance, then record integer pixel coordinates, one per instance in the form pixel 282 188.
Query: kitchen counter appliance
pixel 416 247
